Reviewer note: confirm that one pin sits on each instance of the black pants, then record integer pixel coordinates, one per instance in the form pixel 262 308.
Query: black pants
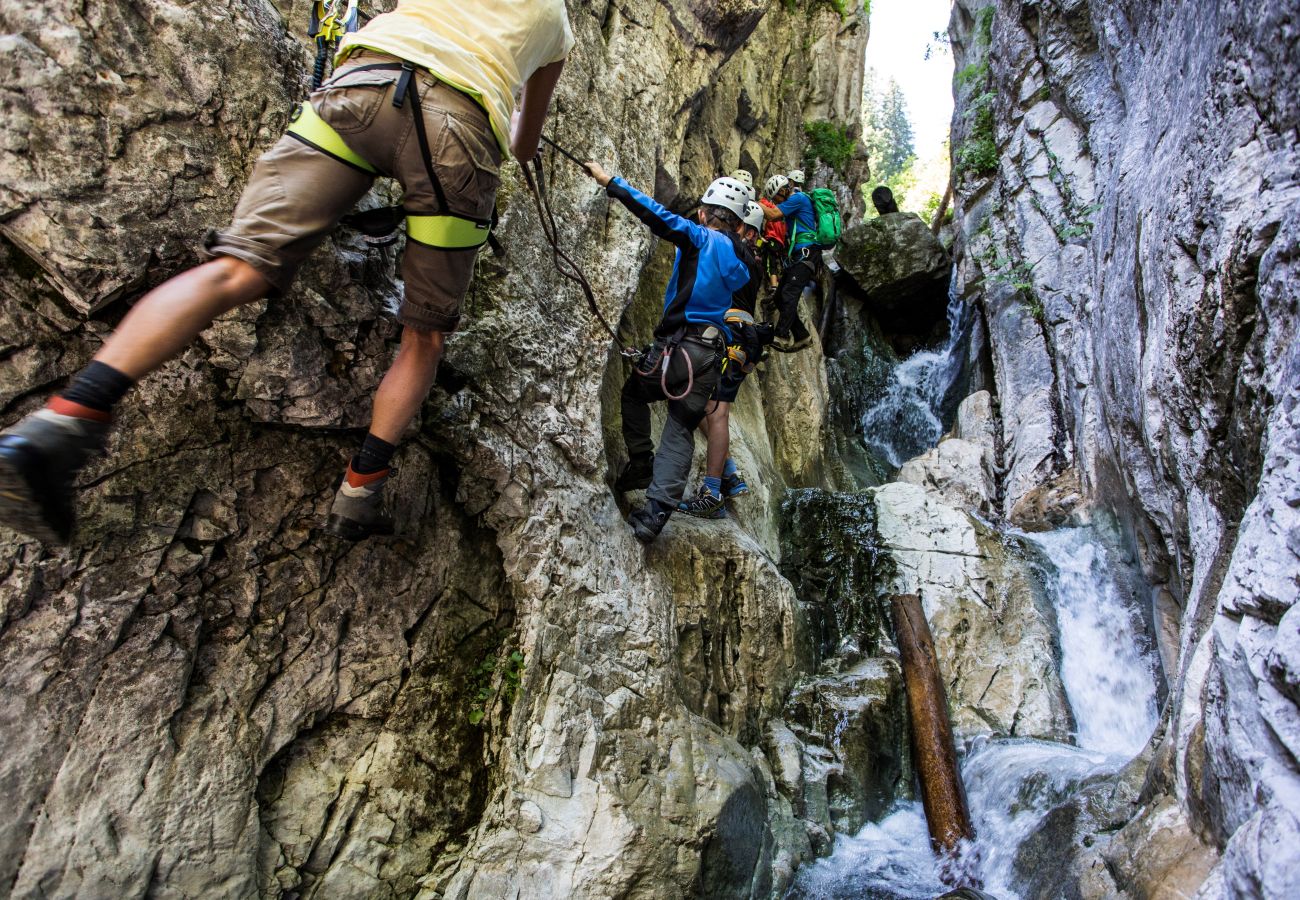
pixel 797 276
pixel 677 443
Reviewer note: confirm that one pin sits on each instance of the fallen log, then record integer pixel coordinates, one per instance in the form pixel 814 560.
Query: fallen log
pixel 942 793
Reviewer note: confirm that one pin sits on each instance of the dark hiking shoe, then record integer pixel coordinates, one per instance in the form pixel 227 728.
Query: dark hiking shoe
pixel 733 486
pixel 39 461
pixel 359 511
pixel 704 505
pixel 636 475
pixel 788 344
pixel 647 521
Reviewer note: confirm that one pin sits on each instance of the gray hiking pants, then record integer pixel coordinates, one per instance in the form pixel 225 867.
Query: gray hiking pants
pixel 677 443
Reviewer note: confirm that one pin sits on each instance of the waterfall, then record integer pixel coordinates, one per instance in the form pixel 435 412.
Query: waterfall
pixel 1110 682
pixel 1108 673
pixel 909 418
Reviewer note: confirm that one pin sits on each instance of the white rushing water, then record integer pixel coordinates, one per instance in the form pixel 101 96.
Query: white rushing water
pixel 1109 677
pixel 906 420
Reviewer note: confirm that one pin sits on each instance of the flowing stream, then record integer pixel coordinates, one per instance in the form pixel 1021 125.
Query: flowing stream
pixel 1109 677
pixel 908 419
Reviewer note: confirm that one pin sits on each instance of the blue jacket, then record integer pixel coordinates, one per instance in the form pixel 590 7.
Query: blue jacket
pixel 706 273
pixel 798 211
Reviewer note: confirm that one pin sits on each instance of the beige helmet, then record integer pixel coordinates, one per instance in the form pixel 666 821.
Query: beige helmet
pixel 775 185
pixel 728 193
pixel 743 176
pixel 796 177
pixel 754 216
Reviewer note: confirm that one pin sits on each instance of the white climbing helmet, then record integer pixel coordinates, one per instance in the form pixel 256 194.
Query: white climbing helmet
pixel 796 177
pixel 754 215
pixel 743 176
pixel 728 193
pixel 775 185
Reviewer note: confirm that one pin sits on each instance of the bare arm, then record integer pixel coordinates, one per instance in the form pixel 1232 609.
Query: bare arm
pixel 771 213
pixel 526 133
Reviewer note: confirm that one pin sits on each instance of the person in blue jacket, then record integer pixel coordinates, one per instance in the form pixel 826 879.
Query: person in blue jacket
pixel 682 365
pixel 801 266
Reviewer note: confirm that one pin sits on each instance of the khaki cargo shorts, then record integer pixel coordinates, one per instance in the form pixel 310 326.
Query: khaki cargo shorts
pixel 297 194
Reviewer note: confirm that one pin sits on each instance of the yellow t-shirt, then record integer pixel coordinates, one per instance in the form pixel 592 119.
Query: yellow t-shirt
pixel 486 48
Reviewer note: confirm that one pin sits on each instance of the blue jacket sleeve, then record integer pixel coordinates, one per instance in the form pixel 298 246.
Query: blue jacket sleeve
pixel 664 224
pixel 794 205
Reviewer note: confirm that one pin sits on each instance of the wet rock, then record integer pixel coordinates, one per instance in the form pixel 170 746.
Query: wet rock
pixel 859 716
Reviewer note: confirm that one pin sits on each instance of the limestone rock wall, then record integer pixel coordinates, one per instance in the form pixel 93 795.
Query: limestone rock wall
pixel 1130 239
pixel 205 696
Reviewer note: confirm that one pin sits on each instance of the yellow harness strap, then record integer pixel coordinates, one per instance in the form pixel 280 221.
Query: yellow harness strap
pixel 315 132
pixel 448 232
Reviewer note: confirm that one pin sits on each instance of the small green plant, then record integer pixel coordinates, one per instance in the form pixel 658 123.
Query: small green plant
pixel 975 73
pixel 828 142
pixel 1035 307
pixel 984 25
pixel 978 154
pixel 485 686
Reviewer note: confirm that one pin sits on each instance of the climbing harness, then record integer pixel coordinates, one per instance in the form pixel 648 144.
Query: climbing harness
pixel 442 229
pixel 330 20
pixel 535 178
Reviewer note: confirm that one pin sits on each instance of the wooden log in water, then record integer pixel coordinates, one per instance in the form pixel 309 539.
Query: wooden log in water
pixel 942 793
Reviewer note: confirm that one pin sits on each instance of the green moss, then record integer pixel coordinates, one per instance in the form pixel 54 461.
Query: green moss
pixel 840 6
pixel 828 142
pixel 978 153
pixel 984 25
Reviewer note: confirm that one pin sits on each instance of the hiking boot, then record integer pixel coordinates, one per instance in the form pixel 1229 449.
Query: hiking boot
pixel 358 511
pixel 637 474
pixel 39 461
pixel 788 344
pixel 647 521
pixel 704 505
pixel 733 486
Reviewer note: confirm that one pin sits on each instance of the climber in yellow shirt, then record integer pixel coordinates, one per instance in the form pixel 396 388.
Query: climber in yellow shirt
pixel 446 70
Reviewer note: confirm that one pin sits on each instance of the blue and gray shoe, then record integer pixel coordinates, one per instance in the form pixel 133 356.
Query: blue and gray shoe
pixel 733 486
pixel 704 505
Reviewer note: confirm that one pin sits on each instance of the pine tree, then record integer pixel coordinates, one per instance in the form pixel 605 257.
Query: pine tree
pixel 887 131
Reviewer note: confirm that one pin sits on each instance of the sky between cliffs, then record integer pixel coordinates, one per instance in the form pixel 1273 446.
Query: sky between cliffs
pixel 900 31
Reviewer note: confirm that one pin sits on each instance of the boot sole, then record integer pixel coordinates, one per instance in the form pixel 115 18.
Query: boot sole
pixel 351 531
pixel 643 534
pixel 19 508
pixel 719 513
pixel 739 492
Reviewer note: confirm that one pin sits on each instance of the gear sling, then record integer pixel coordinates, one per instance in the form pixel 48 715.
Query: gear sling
pixel 443 229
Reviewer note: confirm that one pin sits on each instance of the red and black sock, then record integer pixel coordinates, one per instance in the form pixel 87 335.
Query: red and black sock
pixel 375 456
pixel 93 393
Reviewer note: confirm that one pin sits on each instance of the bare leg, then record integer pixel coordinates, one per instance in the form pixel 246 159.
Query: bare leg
pixel 170 316
pixel 716 427
pixel 407 383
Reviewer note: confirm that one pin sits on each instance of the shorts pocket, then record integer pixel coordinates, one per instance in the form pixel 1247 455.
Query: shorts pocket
pixel 468 163
pixel 349 101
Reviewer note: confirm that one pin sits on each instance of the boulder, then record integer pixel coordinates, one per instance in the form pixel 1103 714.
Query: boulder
pixel 903 272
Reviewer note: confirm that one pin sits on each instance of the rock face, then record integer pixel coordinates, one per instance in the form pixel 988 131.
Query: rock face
pixel 1130 237
pixel 205 697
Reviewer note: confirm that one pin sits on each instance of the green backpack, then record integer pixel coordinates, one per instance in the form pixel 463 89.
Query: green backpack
pixel 827 211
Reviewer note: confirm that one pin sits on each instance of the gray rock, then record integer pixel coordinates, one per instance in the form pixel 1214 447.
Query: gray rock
pixel 902 270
